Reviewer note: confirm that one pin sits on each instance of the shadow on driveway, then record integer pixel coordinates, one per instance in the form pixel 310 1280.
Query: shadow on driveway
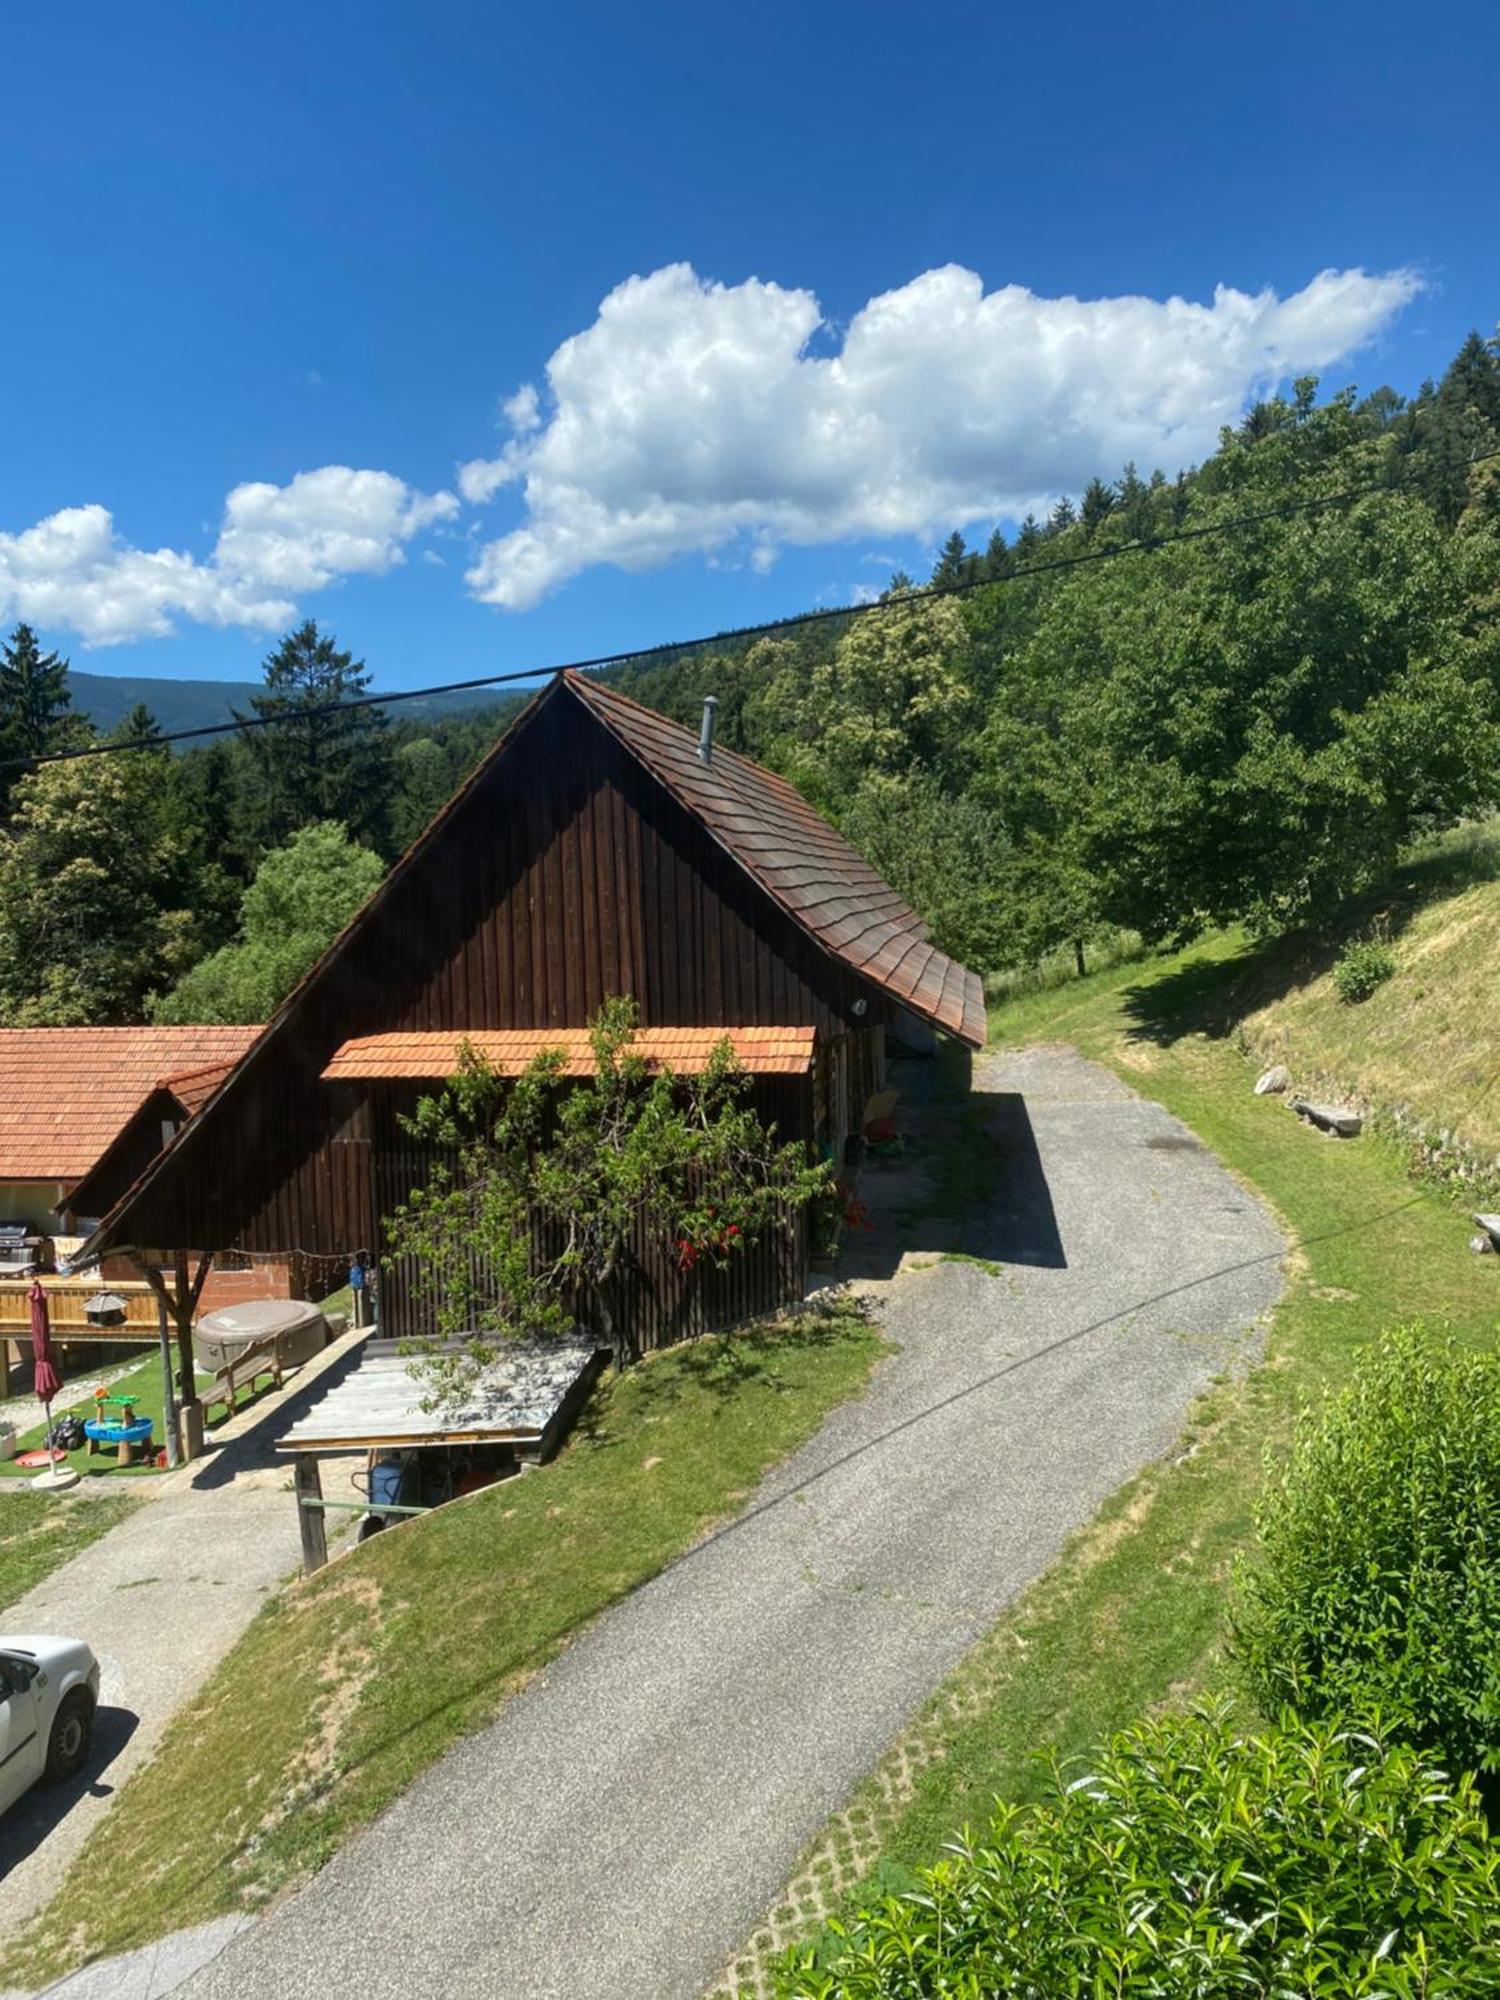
pixel 32 1818
pixel 969 1182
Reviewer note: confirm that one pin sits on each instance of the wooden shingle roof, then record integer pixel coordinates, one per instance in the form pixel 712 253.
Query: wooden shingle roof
pixel 429 1057
pixel 66 1093
pixel 801 862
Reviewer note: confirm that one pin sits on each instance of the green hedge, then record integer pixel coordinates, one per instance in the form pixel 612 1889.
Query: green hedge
pixel 1376 1589
pixel 1191 1863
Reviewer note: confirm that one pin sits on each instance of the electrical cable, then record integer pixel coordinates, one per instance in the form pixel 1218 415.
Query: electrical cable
pixel 598 662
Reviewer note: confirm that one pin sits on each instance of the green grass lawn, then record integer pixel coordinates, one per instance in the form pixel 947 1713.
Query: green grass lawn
pixel 1132 1616
pixel 351 1682
pixel 41 1531
pixel 145 1385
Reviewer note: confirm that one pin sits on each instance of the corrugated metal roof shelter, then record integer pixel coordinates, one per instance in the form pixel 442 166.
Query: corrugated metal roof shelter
pixel 522 1401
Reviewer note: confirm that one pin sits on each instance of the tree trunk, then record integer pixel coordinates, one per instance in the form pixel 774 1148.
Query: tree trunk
pixel 1078 957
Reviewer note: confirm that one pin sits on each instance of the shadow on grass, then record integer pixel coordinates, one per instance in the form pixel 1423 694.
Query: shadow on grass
pixel 719 1365
pixel 1210 995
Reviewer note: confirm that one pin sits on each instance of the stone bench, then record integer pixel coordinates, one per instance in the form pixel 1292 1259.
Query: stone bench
pixel 1330 1118
pixel 1490 1224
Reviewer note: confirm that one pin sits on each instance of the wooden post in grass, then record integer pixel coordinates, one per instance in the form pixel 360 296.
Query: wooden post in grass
pixel 177 1294
pixel 308 1485
pixel 168 1399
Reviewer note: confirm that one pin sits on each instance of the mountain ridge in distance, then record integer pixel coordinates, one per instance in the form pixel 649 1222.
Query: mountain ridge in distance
pixel 106 699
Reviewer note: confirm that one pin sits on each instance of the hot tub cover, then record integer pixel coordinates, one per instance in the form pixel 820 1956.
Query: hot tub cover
pixel 258 1319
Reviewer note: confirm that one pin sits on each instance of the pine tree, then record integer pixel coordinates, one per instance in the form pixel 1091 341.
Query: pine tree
pixel 1472 380
pixel 1098 505
pixel 997 555
pixel 951 568
pixel 138 725
pixel 1461 423
pixel 324 766
pixel 1061 517
pixel 1135 502
pixel 36 713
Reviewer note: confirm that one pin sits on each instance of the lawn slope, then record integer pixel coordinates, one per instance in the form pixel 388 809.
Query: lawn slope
pixel 350 1683
pixel 1428 1040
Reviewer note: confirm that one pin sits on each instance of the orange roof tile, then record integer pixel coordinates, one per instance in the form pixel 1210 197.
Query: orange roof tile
pixel 428 1057
pixel 66 1093
pixel 196 1086
pixel 801 862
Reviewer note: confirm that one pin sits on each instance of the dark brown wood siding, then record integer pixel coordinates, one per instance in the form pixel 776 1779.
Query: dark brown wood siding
pixel 580 877
pixel 568 874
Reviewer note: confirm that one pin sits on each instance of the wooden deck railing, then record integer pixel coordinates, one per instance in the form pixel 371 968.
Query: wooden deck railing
pixel 66 1299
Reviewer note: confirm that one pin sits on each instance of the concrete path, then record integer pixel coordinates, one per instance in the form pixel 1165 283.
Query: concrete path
pixel 160 1598
pixel 626 1821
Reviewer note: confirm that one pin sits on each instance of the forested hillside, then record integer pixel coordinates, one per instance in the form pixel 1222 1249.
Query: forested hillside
pixel 1230 696
pixel 1245 724
pixel 200 886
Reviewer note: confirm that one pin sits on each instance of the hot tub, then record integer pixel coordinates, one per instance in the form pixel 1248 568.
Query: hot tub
pixel 298 1329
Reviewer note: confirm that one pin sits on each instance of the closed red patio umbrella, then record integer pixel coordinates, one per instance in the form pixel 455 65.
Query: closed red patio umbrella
pixel 47 1382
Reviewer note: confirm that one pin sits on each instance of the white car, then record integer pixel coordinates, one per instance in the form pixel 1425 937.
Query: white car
pixel 49 1689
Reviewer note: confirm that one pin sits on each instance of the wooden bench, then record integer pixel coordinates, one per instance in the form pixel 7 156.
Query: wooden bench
pixel 1329 1118
pixel 260 1358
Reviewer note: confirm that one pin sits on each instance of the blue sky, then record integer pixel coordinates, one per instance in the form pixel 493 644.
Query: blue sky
pixel 250 246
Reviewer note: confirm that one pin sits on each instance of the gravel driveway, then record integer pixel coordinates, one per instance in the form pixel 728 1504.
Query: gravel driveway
pixel 626 1821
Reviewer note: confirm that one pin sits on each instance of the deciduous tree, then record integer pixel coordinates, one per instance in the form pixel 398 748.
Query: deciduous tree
pixel 302 896
pixel 95 894
pixel 527 1234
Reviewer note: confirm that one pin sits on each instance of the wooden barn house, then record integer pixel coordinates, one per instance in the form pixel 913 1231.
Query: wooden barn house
pixel 598 850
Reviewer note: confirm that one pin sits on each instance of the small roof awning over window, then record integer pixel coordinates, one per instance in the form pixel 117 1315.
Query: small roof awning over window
pixel 429 1057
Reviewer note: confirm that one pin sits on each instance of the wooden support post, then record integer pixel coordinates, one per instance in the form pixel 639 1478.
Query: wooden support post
pixel 182 1312
pixel 308 1484
pixel 168 1399
pixel 177 1300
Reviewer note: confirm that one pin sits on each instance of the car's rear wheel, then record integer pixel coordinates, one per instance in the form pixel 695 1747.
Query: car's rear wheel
pixel 72 1727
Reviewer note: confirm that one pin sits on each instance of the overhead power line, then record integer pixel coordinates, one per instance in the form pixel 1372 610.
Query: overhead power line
pixel 597 662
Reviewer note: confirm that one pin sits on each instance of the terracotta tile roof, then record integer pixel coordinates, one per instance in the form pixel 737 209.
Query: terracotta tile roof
pixel 801 862
pixel 66 1093
pixel 428 1057
pixel 195 1087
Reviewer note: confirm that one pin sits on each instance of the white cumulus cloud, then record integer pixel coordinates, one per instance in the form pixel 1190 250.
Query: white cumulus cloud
pixel 691 416
pixel 74 570
pixel 323 524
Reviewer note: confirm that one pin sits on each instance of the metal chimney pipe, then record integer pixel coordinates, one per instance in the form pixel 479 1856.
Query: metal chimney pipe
pixel 706 734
